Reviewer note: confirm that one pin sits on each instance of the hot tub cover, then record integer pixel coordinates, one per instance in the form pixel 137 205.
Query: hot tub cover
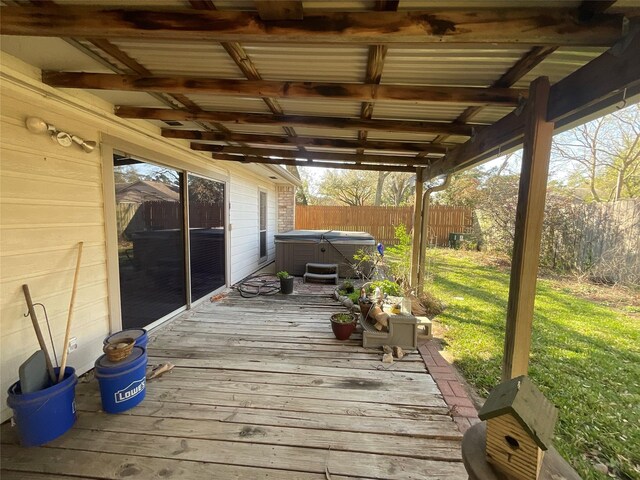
pixel 317 236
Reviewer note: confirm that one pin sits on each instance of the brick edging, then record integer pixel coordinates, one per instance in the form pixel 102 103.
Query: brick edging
pixel 461 407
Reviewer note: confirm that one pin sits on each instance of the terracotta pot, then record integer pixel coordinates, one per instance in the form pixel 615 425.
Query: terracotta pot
pixel 342 331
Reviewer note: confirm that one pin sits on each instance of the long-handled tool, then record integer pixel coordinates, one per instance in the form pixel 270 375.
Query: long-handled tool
pixel 36 327
pixel 65 350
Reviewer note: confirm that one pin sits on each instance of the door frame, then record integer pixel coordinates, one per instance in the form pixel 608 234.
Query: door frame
pixel 108 145
pixel 263 260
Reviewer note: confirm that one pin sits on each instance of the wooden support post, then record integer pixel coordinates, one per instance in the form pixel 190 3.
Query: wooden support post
pixel 417 227
pixel 528 230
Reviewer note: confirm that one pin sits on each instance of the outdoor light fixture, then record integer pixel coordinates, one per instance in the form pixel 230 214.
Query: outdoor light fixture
pixel 38 125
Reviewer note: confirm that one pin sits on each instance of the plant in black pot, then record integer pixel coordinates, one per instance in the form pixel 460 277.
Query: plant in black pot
pixel 286 282
pixel 343 325
pixel 347 286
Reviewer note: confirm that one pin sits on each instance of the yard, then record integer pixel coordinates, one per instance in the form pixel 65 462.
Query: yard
pixel 585 355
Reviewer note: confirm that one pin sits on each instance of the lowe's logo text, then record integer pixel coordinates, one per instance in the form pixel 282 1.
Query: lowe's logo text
pixel 130 391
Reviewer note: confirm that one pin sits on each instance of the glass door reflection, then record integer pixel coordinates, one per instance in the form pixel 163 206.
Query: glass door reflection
pixel 206 233
pixel 150 219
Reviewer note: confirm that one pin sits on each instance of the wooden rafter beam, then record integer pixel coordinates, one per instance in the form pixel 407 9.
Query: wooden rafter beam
pixel 532 26
pixel 244 63
pixel 603 78
pixel 263 88
pixel 303 163
pixel 311 155
pixel 115 52
pixel 304 141
pixel 294 121
pixel 523 66
pixel 375 64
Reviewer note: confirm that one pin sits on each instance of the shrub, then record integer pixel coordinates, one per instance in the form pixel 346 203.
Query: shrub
pixel 387 286
pixel 283 274
pixel 398 257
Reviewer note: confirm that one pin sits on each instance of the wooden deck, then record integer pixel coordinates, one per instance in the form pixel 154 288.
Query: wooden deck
pixel 261 389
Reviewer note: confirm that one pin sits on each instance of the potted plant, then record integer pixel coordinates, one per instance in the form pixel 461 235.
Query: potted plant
pixel 286 282
pixel 365 303
pixel 347 286
pixel 343 325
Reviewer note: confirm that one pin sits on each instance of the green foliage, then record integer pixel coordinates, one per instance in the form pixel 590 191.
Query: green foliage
pixel 353 296
pixel 387 286
pixel 347 285
pixel 343 318
pixel 585 358
pixel 282 275
pixel 398 256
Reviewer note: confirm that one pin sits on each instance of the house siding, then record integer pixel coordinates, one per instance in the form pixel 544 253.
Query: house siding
pixel 52 197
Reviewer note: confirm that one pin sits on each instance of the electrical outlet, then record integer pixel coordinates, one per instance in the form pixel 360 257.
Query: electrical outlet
pixel 73 344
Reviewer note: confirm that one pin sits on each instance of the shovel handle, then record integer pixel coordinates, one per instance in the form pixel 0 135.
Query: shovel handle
pixel 65 350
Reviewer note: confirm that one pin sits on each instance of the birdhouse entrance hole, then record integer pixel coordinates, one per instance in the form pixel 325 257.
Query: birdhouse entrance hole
pixel 512 442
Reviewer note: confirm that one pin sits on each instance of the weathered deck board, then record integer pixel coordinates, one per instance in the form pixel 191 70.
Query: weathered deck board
pixel 261 389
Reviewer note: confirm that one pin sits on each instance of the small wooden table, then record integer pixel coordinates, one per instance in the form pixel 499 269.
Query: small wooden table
pixel 554 467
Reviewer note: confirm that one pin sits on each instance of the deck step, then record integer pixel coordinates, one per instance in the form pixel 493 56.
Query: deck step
pixel 321 276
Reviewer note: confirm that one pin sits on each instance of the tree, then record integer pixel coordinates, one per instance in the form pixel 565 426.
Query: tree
pixel 351 187
pixel 603 156
pixel 464 189
pixel 400 188
pixel 379 187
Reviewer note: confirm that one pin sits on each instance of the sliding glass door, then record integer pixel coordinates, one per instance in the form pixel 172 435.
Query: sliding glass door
pixel 150 215
pixel 206 235
pixel 150 219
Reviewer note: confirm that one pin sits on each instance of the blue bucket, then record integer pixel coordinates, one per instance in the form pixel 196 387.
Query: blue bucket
pixel 138 334
pixel 44 415
pixel 122 384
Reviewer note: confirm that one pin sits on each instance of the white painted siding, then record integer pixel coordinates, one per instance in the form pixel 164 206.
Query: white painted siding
pixel 51 197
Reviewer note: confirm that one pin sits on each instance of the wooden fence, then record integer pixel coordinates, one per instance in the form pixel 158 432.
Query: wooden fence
pixel 381 221
pixel 132 217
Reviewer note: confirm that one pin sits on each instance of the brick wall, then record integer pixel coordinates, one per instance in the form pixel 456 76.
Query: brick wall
pixel 286 207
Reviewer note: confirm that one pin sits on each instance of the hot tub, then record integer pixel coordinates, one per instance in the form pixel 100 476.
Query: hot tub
pixel 296 248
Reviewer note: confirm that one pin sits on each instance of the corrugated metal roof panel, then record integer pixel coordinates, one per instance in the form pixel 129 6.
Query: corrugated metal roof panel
pixel 477 66
pixel 338 6
pixel 200 59
pixel 429 111
pixel 326 132
pixel 320 107
pixel 561 63
pixel 130 99
pixel 309 63
pixel 485 4
pixel 401 136
pixel 50 54
pixel 491 114
pixel 229 104
pixel 184 125
pixel 457 139
pixel 128 3
pixel 256 129
pixel 235 5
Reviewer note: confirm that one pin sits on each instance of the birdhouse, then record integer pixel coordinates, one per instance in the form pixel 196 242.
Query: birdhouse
pixel 520 423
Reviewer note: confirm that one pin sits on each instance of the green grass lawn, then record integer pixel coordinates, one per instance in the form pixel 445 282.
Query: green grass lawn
pixel 585 358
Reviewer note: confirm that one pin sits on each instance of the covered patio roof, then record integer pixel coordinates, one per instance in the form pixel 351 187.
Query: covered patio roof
pixel 376 85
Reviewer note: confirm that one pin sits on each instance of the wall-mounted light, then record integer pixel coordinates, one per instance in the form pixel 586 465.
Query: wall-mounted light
pixel 37 125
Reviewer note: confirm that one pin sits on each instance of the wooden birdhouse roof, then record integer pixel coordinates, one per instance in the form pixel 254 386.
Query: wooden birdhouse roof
pixel 522 399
